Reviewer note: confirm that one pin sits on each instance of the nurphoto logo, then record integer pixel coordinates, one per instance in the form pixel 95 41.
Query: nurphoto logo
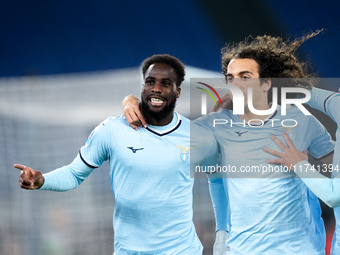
pixel 238 99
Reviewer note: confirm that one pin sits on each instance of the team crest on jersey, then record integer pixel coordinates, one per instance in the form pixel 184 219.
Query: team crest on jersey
pixel 288 130
pixel 184 155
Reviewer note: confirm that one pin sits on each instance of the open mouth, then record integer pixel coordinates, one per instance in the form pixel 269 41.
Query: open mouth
pixel 156 101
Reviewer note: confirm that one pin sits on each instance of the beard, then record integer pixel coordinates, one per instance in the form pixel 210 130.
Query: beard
pixel 149 114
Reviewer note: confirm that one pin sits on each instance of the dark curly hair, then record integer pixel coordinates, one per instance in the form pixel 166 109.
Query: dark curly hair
pixel 169 60
pixel 275 57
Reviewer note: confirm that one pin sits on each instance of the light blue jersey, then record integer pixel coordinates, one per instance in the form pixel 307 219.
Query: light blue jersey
pixel 334 112
pixel 329 190
pixel 271 211
pixel 150 179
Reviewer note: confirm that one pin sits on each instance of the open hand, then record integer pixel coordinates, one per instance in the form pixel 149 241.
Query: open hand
pixel 289 156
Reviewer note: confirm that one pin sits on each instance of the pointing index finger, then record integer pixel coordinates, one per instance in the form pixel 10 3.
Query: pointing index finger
pixel 20 167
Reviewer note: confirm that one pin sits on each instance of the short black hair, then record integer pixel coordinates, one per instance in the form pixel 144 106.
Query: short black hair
pixel 169 60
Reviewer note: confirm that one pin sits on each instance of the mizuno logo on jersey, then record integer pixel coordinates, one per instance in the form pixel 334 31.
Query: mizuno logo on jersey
pixel 241 133
pixel 134 150
pixel 184 155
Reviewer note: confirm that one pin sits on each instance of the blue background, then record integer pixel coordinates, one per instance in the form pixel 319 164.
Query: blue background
pixel 52 37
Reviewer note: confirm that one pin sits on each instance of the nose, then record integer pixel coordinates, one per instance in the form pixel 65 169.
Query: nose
pixel 157 88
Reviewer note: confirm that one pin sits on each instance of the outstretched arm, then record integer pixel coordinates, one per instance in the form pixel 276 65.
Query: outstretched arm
pixel 62 179
pixel 328 190
pixel 90 156
pixel 132 112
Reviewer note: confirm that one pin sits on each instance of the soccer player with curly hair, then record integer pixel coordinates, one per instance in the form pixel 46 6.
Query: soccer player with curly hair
pixel 265 212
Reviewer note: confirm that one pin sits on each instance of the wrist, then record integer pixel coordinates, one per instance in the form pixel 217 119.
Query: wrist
pixel 40 182
pixel 221 236
pixel 130 100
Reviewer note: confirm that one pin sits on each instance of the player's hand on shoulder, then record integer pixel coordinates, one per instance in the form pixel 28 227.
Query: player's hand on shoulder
pixel 29 178
pixel 226 101
pixel 132 112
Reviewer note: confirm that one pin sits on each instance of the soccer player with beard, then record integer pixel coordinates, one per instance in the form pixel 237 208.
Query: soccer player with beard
pixel 149 169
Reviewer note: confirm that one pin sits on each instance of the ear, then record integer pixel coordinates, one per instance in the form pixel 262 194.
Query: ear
pixel 266 85
pixel 178 92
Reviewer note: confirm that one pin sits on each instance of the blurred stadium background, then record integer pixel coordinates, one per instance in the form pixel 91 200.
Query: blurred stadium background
pixel 66 65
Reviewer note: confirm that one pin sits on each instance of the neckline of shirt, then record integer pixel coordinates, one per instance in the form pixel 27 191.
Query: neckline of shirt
pixel 167 129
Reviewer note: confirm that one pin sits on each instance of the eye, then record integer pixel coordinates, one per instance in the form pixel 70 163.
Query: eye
pixel 149 82
pixel 167 83
pixel 245 77
pixel 230 79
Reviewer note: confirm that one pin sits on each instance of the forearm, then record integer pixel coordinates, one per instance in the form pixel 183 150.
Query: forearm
pixel 328 190
pixel 67 177
pixel 219 200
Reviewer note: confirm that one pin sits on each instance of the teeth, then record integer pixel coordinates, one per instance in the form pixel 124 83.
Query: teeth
pixel 156 100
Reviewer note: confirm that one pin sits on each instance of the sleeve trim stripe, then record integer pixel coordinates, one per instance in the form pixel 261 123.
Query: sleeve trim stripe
pixel 324 103
pixel 81 157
